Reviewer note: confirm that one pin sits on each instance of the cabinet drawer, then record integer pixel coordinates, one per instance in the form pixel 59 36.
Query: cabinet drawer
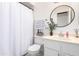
pixel 52 44
pixel 50 52
pixel 72 49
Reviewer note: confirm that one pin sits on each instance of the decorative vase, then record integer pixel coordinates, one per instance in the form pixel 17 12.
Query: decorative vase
pixel 51 33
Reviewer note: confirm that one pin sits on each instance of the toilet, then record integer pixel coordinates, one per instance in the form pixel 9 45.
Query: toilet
pixel 34 49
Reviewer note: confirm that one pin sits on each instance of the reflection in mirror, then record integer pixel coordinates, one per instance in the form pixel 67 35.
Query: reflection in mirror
pixel 62 18
pixel 62 15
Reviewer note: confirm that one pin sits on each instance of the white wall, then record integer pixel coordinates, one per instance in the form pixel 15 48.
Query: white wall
pixel 43 9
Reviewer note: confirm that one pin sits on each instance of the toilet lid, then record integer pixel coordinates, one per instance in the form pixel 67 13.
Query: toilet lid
pixel 34 47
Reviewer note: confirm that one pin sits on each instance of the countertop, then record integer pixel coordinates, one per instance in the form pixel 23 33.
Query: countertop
pixel 63 39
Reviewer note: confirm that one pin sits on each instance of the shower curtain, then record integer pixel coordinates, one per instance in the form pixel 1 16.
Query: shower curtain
pixel 16 28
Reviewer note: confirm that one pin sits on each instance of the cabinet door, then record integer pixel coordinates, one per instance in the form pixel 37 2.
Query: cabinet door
pixel 70 48
pixel 50 52
pixel 52 44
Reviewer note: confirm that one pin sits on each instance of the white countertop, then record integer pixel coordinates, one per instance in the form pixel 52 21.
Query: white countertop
pixel 64 39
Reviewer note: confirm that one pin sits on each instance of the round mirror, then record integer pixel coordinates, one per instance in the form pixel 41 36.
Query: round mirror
pixel 62 15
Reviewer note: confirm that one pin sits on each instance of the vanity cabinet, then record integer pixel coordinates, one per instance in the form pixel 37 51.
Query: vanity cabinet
pixel 58 48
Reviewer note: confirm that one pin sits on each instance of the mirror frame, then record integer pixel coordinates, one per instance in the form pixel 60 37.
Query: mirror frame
pixel 61 6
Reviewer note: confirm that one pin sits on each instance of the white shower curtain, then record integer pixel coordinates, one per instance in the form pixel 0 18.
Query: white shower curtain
pixel 16 28
pixel 22 19
pixel 4 29
pixel 26 28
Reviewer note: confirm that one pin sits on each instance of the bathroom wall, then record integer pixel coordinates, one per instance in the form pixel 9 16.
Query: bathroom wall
pixel 43 9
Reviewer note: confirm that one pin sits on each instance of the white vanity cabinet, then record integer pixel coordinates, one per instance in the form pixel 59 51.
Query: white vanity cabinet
pixel 58 48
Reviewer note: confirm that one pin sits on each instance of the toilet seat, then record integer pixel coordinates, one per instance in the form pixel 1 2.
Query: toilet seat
pixel 34 49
